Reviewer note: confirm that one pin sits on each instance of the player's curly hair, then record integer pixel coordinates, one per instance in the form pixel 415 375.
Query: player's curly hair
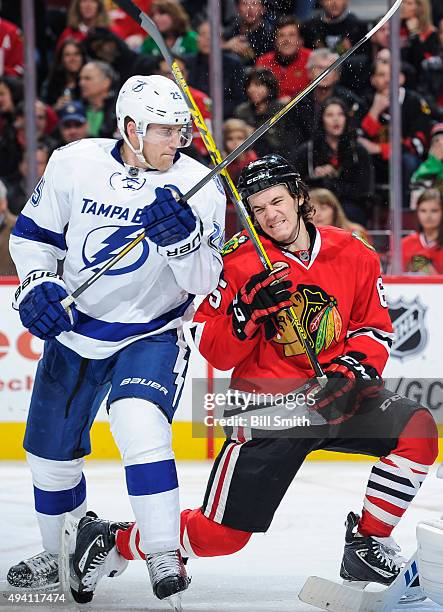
pixel 306 209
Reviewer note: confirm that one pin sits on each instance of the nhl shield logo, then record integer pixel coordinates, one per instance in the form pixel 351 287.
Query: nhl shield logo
pixel 410 335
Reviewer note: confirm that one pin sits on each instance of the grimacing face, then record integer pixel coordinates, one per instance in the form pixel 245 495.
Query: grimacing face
pixel 276 211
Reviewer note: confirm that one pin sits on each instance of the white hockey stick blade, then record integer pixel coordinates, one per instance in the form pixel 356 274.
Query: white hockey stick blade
pixel 69 533
pixel 334 597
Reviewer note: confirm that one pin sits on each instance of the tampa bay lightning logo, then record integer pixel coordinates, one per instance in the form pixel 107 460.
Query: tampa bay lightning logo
pixel 217 237
pixel 138 86
pixel 219 184
pixel 102 243
pixel 37 193
pixel 118 180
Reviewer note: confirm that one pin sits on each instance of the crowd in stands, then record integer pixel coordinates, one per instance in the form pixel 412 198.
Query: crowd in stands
pixel 338 137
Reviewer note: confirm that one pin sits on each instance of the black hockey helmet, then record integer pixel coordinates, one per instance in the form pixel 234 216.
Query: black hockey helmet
pixel 266 172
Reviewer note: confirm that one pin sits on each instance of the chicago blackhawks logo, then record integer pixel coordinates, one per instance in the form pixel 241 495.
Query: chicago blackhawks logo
pixel 234 243
pixel 319 316
pixel 422 264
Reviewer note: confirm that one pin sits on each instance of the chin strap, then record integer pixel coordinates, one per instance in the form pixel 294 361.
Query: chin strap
pixel 138 152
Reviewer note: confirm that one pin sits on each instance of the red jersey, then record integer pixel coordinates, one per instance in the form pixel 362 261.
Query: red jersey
pixel 292 78
pixel 11 49
pixel 76 34
pixel 123 25
pixel 337 295
pixel 420 256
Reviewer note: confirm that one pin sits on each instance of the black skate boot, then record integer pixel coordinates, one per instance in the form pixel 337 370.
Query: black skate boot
pixel 95 556
pixel 369 559
pixel 168 576
pixel 38 572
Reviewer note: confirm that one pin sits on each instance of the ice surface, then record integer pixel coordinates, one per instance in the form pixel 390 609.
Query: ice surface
pixel 305 538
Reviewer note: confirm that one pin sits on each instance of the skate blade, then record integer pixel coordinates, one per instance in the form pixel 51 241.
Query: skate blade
pixel 67 544
pixel 175 601
pixel 5 587
pixel 414 595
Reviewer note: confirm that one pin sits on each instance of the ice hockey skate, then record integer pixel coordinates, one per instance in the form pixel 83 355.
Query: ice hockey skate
pixel 369 559
pixel 38 572
pixel 95 556
pixel 168 577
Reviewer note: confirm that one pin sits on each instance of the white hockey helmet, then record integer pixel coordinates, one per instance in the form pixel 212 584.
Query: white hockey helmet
pixel 152 99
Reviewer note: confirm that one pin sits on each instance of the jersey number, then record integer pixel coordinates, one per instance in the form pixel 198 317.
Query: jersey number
pixel 216 297
pixel 381 292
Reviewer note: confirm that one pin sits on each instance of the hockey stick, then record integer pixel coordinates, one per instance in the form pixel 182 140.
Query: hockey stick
pixel 151 28
pixel 298 98
pixel 141 18
pixel 334 597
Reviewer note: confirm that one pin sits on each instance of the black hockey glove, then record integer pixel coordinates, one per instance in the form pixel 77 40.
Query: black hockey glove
pixel 258 301
pixel 349 382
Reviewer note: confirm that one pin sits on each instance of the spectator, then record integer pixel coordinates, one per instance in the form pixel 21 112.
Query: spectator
pixel 288 61
pixel 235 131
pixel 423 250
pixel 73 123
pixel 62 84
pixel 431 74
pixel 7 222
pixel 103 45
pixel 375 125
pixel 11 49
pixel 305 116
pixel 16 185
pixel 11 94
pixel 251 34
pixel 262 104
pixel 127 28
pixel 336 27
pixel 329 211
pixel 356 71
pixel 202 100
pixel 233 71
pixel 333 159
pixel 418 35
pixel 175 27
pixel 46 120
pixel 96 85
pixel 198 11
pixel 430 172
pixel 82 16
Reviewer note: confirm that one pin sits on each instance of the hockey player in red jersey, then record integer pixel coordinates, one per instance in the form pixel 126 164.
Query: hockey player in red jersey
pixel 332 279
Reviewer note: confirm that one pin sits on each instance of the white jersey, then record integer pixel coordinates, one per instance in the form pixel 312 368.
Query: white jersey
pixel 84 210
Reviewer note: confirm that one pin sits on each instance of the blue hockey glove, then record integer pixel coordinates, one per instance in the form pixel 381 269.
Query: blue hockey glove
pixel 38 302
pixel 168 221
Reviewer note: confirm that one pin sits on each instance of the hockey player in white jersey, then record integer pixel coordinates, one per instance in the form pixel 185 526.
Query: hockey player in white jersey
pixel 123 336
